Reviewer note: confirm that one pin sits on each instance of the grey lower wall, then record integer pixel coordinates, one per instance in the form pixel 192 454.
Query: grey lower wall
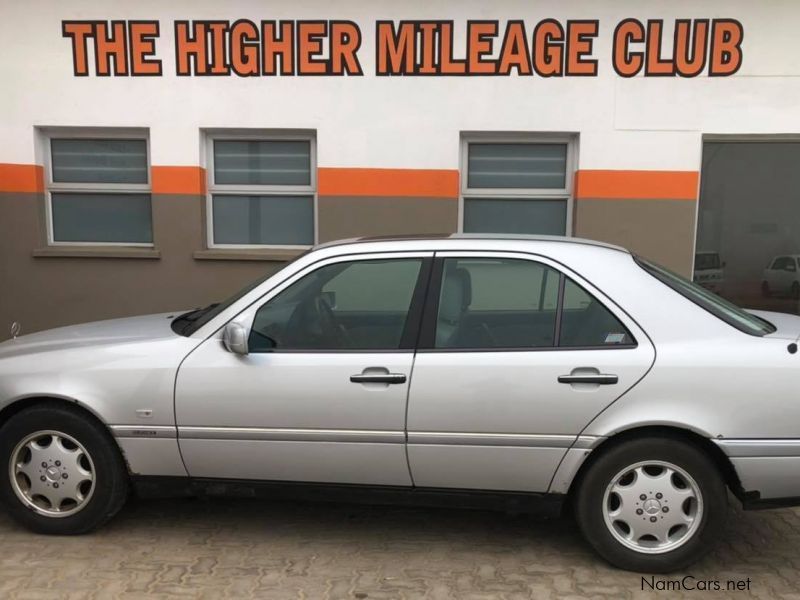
pixel 354 216
pixel 45 292
pixel 49 291
pixel 661 230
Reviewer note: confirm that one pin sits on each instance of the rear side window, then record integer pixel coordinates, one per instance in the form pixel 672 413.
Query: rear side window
pixel 586 323
pixel 716 305
pixel 486 303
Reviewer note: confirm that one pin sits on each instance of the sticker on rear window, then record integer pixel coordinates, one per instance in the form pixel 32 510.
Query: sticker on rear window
pixel 615 338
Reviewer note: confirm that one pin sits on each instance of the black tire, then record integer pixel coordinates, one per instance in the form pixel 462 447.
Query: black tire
pixel 110 475
pixel 589 500
pixel 795 291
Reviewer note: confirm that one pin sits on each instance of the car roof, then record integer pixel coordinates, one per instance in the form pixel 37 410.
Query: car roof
pixel 441 240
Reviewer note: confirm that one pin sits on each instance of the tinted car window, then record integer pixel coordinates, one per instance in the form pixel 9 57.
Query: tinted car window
pixel 705 261
pixel 784 263
pixel 496 303
pixel 585 322
pixel 344 306
pixel 717 306
pixel 487 303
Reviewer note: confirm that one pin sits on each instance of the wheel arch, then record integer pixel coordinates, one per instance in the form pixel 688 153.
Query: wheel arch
pixel 703 444
pixel 20 404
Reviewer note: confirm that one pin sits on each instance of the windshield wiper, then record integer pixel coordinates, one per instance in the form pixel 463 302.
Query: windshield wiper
pixel 198 312
pixel 190 317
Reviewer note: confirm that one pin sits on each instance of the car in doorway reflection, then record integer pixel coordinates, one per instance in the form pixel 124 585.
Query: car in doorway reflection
pixel 709 270
pixel 523 372
pixel 782 277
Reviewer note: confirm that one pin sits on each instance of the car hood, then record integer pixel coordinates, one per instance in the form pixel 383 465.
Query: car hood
pixel 98 333
pixel 788 326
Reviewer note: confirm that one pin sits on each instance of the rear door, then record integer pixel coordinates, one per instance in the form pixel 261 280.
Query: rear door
pixel 515 358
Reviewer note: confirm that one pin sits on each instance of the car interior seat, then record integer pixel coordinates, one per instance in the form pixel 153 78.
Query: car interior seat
pixel 454 301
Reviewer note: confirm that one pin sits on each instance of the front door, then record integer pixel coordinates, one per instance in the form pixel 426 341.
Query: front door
pixel 515 359
pixel 321 396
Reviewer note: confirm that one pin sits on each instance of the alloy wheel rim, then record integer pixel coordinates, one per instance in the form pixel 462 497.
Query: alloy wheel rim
pixel 653 507
pixel 52 473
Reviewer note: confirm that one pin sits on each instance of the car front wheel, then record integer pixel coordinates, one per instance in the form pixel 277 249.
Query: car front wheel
pixel 63 471
pixel 652 505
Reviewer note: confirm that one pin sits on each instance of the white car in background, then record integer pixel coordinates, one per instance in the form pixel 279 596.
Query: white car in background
pixel 709 270
pixel 523 372
pixel 782 277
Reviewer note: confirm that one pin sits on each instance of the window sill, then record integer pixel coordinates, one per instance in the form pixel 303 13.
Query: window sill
pixel 96 252
pixel 273 255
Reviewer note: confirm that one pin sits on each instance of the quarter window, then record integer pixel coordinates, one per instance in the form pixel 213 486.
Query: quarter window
pixel 98 191
pixel 360 305
pixel 516 186
pixel 586 323
pixel 489 303
pixel 262 191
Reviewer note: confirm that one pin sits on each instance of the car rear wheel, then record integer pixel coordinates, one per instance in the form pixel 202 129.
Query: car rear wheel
pixel 64 473
pixel 652 505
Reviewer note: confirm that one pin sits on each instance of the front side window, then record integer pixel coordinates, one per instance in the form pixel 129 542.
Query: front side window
pixel 516 187
pixel 487 303
pixel 261 192
pixel 359 305
pixel 98 191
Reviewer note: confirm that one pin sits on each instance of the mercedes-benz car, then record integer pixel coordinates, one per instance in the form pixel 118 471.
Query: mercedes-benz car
pixel 525 372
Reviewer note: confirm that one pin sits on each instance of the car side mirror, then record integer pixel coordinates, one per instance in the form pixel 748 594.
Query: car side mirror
pixel 234 337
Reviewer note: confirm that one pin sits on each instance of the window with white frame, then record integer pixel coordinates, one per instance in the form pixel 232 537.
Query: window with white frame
pixel 516 184
pixel 261 190
pixel 98 189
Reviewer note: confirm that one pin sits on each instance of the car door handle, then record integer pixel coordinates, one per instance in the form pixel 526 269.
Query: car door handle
pixel 389 378
pixel 597 378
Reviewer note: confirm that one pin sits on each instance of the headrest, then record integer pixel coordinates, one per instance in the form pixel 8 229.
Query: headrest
pixel 456 294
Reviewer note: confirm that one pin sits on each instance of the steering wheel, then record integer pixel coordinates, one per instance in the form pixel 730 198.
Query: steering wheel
pixel 329 323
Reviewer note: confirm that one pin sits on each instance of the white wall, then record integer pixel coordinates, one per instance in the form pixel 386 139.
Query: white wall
pixel 412 122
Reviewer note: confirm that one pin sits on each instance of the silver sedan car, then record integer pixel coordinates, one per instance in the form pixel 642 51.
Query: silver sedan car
pixel 519 372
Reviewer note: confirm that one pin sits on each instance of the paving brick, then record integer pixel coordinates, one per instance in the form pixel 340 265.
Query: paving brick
pixel 224 548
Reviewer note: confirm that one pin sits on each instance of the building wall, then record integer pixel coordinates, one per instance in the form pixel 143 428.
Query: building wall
pixel 388 148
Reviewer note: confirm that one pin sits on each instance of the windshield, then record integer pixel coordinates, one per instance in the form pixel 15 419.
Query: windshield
pixel 706 260
pixel 717 306
pixel 187 323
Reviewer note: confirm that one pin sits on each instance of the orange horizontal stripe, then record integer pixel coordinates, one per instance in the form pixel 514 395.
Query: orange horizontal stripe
pixel 21 178
pixel 672 185
pixel 178 180
pixel 432 183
